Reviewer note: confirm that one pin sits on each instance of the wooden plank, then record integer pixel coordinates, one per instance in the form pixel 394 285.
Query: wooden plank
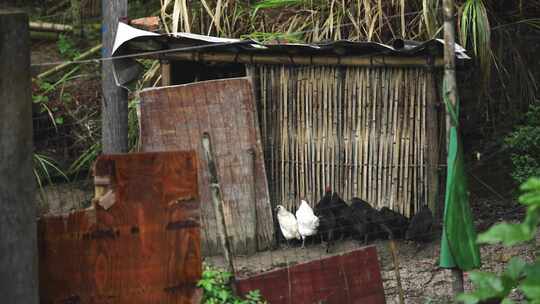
pixel 352 277
pixel 144 249
pixel 226 110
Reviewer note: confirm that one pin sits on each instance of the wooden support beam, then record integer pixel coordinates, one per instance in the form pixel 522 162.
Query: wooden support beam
pixel 368 61
pixel 114 102
pixel 165 73
pixel 18 231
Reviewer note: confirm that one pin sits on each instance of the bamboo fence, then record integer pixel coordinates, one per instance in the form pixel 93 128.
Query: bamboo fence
pixel 364 131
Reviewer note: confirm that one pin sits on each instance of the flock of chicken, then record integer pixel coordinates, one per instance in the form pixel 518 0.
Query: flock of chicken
pixel 334 219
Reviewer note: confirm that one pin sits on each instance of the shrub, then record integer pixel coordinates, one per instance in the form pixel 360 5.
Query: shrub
pixel 216 289
pixel 518 274
pixel 524 143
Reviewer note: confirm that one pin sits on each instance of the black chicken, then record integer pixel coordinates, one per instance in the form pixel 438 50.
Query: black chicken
pixel 327 220
pixel 360 212
pixel 420 226
pixel 342 214
pixel 397 223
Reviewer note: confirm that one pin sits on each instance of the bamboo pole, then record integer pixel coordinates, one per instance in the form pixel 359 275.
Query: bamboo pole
pixel 365 136
pixel 395 258
pixel 64 65
pixel 40 26
pixel 451 92
pixel 382 139
pixel 395 138
pixel 290 59
pixel 217 201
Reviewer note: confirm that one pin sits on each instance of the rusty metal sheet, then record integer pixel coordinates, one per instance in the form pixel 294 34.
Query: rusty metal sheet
pixel 351 278
pixel 145 248
pixel 176 117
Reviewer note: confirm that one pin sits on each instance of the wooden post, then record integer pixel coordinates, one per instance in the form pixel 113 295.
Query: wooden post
pixel 18 231
pixel 217 200
pixel 451 92
pixel 165 73
pixel 395 258
pixel 114 103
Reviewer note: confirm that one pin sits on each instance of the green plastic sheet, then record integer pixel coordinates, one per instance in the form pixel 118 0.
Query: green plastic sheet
pixel 458 244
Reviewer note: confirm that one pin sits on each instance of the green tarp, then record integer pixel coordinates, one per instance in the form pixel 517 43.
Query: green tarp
pixel 458 244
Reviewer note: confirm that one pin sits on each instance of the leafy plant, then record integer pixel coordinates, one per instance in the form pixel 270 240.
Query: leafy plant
pixel 518 273
pixel 216 289
pixel 41 97
pixel 524 144
pixel 45 168
pixel 67 47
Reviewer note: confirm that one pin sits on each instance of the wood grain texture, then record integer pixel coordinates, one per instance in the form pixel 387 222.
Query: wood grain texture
pixel 353 277
pixel 176 117
pixel 144 249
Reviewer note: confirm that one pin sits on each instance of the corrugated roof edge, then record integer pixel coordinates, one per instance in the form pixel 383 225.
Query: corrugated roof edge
pixel 130 40
pixel 144 44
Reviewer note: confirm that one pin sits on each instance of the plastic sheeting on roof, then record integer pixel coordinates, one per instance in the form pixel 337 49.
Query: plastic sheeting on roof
pixel 140 43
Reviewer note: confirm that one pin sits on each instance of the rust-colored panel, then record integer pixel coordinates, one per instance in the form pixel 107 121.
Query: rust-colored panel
pixel 144 249
pixel 176 117
pixel 351 278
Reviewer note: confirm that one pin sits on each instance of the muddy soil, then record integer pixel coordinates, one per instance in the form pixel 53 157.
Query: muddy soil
pixel 423 280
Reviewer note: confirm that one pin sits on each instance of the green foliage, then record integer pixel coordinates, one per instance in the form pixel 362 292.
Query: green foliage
pixel 518 274
pixel 45 168
pixel 67 47
pixel 475 34
pixel 216 290
pixel 524 143
pixel 45 88
pixel 269 37
pixel 87 158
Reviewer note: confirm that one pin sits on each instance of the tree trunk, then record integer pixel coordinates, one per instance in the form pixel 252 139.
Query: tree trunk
pixel 114 103
pixel 451 92
pixel 18 236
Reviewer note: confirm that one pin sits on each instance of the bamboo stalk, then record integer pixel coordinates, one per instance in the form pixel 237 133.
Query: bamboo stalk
pixel 64 65
pixel 398 114
pixel 417 141
pixel 40 26
pixel 372 137
pixel 387 138
pixel 395 258
pixel 354 131
pixel 325 128
pixel 382 139
pixel 423 135
pixel 348 98
pixel 313 143
pixel 402 153
pixel 217 201
pixel 290 59
pixel 365 151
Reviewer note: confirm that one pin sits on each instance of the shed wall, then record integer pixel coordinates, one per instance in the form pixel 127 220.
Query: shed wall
pixel 366 132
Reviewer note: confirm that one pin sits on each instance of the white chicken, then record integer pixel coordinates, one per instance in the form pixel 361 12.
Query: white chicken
pixel 287 224
pixel 308 222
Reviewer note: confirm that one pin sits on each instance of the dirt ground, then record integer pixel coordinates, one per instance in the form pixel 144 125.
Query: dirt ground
pixel 422 279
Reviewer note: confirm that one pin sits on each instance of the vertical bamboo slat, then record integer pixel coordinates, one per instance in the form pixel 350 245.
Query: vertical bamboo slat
pixel 366 132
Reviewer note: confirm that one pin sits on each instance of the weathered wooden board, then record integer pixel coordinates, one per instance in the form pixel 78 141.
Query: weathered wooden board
pixel 343 279
pixel 176 117
pixel 144 249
